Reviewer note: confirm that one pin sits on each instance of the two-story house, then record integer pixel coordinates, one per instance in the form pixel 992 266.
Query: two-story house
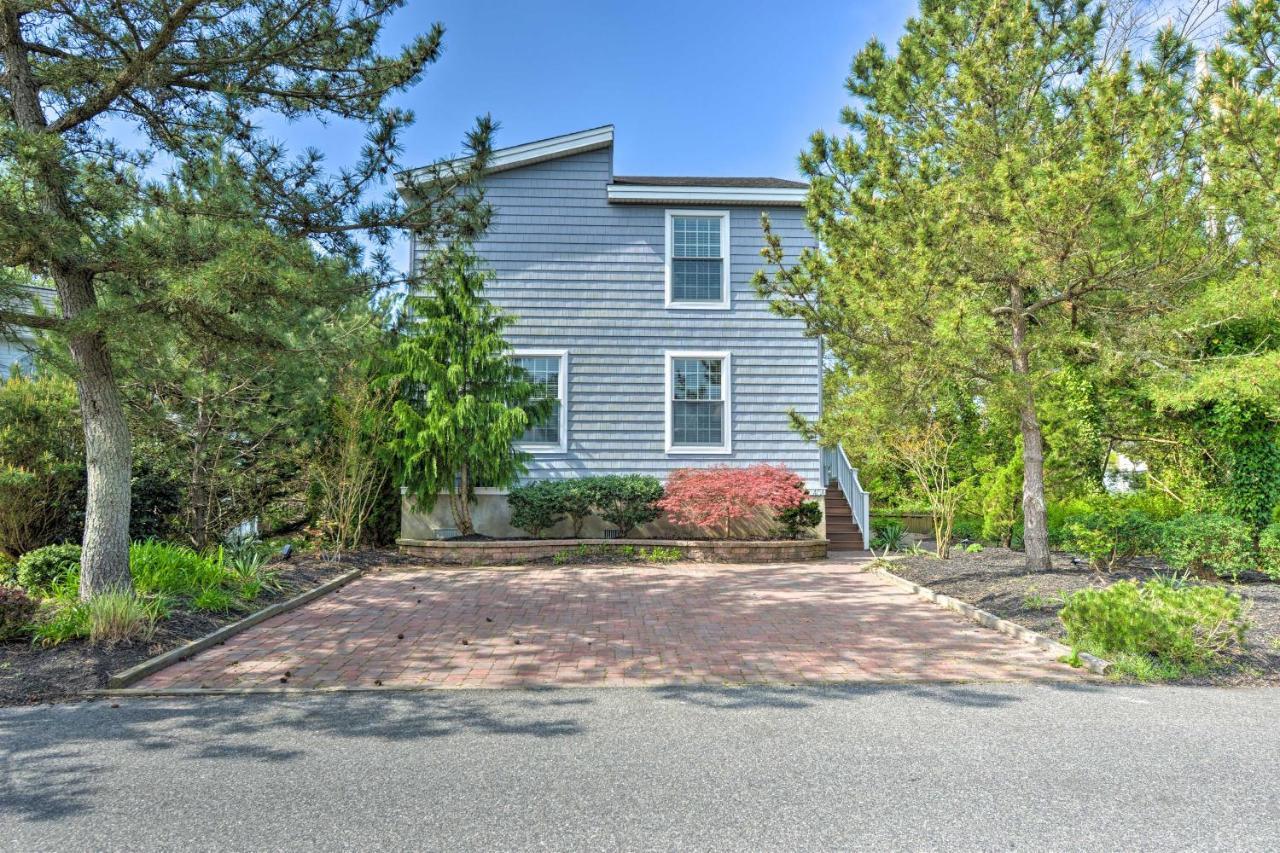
pixel 634 309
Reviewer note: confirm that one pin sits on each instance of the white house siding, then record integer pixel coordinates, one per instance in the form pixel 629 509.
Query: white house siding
pixel 583 275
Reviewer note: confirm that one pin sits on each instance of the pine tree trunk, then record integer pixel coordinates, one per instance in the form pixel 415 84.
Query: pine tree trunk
pixel 105 562
pixel 1035 534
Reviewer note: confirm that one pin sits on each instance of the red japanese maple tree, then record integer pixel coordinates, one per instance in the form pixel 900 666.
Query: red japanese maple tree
pixel 712 498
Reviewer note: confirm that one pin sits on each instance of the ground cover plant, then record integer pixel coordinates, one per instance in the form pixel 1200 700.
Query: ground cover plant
pixel 585 553
pixel 1162 628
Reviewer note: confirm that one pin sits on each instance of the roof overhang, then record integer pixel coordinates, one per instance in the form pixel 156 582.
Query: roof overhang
pixel 527 153
pixel 664 194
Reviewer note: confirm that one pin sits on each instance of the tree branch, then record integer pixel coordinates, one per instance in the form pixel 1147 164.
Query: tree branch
pixel 31 321
pixel 127 77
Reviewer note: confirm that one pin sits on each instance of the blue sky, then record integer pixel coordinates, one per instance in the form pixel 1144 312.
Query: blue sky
pixel 695 88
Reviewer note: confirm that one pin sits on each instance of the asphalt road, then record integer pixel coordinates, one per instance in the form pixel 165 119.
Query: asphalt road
pixel 1071 766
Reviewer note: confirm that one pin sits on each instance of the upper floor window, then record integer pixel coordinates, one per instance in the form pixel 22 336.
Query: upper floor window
pixel 698 402
pixel 697 259
pixel 546 369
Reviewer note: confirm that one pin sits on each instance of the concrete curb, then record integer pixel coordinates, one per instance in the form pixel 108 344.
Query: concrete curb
pixel 1096 665
pixel 135 673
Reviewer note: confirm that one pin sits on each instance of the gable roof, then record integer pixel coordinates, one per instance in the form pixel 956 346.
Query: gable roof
pixel 637 189
pixel 527 153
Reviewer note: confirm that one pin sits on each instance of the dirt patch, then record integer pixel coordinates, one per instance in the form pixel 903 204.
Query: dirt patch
pixel 30 674
pixel 997 580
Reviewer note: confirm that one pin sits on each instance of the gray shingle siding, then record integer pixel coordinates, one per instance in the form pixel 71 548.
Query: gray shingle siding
pixel 583 275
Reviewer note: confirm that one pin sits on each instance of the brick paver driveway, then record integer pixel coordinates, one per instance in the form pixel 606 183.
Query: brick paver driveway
pixel 702 623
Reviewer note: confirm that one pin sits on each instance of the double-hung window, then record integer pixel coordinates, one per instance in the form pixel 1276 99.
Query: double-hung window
pixel 697 259
pixel 546 370
pixel 698 402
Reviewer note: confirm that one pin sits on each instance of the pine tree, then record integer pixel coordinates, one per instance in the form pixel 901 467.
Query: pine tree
pixel 1007 196
pixel 92 94
pixel 464 401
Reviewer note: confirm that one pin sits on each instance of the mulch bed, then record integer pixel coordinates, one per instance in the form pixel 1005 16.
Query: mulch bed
pixel 30 674
pixel 997 580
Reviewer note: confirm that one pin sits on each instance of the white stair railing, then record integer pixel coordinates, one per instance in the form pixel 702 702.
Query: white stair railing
pixel 835 466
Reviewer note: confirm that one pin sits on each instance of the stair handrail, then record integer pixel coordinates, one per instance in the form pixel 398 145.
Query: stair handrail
pixel 859 500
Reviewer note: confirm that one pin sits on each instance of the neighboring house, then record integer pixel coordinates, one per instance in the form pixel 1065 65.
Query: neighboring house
pixel 16 344
pixel 634 309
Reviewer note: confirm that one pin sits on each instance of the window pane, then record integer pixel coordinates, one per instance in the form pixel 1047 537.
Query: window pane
pixel 695 280
pixel 696 378
pixel 697 424
pixel 544 373
pixel 697 410
pixel 695 236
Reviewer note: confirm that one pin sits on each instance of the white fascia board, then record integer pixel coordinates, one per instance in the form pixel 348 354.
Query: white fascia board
pixel 528 153
pixel 661 194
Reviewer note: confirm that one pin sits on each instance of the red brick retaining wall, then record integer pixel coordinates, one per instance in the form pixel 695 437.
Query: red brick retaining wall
pixel 505 552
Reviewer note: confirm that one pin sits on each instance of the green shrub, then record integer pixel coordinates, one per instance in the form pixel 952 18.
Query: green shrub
pixel 1058 514
pixel 17 610
pixel 536 506
pixel 661 554
pixel 168 569
pixel 1177 624
pixel 577 500
pixel 796 521
pixel 8 570
pixel 1111 536
pixel 889 535
pixel 966 528
pixel 1269 551
pixel 42 474
pixel 626 500
pixel 41 569
pixel 1208 542
pixel 1002 500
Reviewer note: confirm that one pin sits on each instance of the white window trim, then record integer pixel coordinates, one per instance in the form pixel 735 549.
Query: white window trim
pixel 726 252
pixel 726 389
pixel 563 445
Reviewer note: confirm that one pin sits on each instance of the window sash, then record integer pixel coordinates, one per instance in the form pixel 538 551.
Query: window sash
pixel 697 258
pixel 544 373
pixel 697 402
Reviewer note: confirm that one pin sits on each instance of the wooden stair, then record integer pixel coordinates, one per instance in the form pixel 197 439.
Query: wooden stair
pixel 842 532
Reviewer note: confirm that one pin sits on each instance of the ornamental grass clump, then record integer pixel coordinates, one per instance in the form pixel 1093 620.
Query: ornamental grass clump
pixel 712 499
pixel 1180 626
